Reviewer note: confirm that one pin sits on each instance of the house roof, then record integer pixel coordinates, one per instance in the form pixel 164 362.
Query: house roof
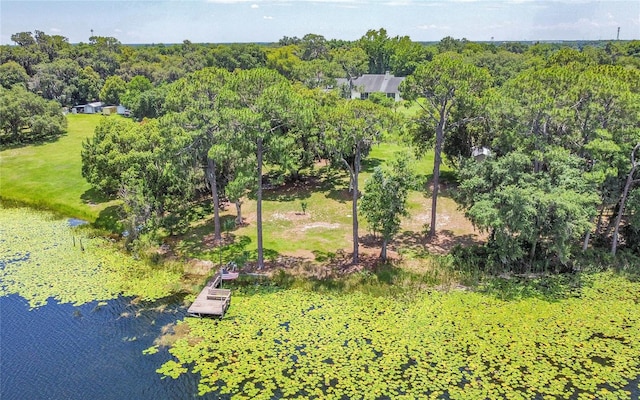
pixel 384 83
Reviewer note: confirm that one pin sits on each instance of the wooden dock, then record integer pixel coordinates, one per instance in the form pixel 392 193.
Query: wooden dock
pixel 211 301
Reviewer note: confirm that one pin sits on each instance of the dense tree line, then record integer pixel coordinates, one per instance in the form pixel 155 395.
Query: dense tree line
pixel 561 124
pixel 27 118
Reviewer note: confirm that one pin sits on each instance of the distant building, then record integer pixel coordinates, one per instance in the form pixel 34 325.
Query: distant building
pixel 362 87
pixel 90 108
pixel 99 108
pixel 111 110
pixel 108 110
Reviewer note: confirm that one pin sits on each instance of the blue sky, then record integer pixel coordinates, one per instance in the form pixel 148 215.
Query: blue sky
pixel 223 21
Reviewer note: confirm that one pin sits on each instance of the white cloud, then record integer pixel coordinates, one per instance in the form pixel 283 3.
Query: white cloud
pixel 431 27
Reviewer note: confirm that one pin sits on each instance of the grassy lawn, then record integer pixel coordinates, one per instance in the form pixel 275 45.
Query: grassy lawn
pixel 49 175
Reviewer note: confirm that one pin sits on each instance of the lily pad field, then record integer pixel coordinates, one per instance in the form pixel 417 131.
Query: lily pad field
pixel 41 257
pixel 300 344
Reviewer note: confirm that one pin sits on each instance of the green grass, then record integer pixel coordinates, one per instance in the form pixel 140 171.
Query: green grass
pixel 48 175
pixel 326 227
pixel 423 167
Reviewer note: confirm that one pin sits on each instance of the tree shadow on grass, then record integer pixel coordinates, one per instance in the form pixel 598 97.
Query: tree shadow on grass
pixel 369 164
pixel 335 183
pixel 35 142
pixel 197 211
pixel 448 182
pixel 340 195
pixel 94 196
pixel 198 242
pixel 109 219
pixel 290 191
pixel 444 241
pixel 324 179
pixel 192 241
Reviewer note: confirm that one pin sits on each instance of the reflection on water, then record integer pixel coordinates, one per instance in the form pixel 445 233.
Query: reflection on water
pixel 73 222
pixel 60 351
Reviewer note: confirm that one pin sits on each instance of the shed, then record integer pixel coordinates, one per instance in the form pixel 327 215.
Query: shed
pixel 93 108
pixel 109 110
pixel 480 153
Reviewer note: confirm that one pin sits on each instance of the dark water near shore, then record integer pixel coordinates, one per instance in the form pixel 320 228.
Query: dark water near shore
pixel 60 351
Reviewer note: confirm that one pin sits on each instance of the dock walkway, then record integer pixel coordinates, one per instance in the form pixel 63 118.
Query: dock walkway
pixel 211 300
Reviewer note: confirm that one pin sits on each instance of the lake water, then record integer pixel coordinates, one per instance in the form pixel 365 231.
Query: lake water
pixel 60 351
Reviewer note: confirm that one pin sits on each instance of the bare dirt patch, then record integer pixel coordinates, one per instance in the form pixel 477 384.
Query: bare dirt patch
pixel 452 228
pixel 319 225
pixel 290 216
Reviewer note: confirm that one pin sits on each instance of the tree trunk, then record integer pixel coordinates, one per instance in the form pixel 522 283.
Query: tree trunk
pixel 437 160
pixel 600 215
pixel 623 200
pixel 585 244
pixel 238 212
pixel 259 206
pixel 354 205
pixel 211 172
pixel 532 254
pixel 383 252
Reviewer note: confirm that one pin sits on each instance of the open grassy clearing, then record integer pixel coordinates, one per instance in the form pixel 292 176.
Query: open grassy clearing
pixel 326 225
pixel 48 175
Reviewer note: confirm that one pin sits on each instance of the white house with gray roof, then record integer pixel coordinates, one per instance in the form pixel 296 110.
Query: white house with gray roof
pixel 373 83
